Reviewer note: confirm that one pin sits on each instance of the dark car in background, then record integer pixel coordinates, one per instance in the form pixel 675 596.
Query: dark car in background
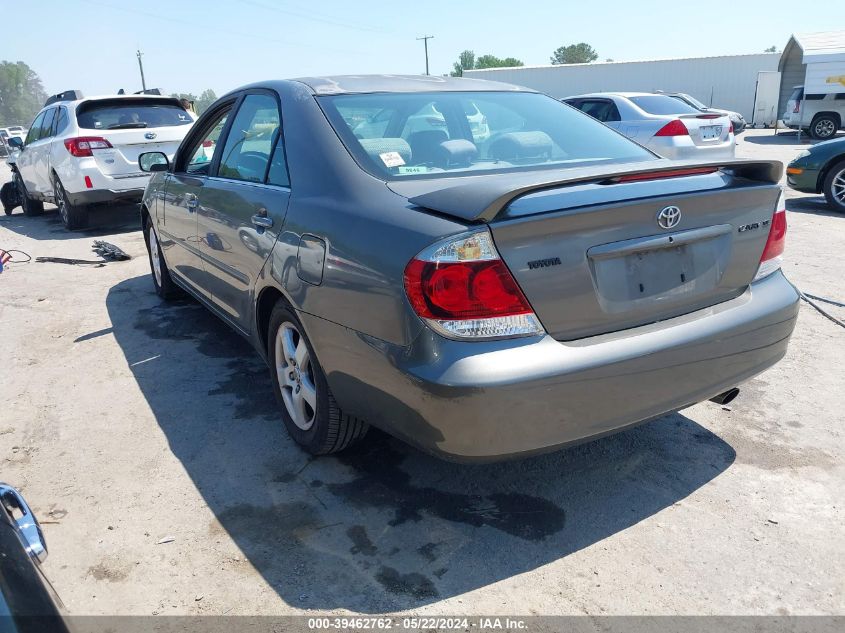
pixel 821 169
pixel 481 295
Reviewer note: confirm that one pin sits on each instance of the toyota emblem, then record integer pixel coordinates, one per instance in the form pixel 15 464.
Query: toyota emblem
pixel 150 135
pixel 669 217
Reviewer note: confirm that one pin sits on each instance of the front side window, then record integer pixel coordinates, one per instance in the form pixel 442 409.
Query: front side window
pixel 251 139
pixel 34 129
pixel 408 135
pixel 201 153
pixel 127 113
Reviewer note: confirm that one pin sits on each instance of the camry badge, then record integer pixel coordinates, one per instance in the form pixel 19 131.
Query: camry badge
pixel 150 135
pixel 668 217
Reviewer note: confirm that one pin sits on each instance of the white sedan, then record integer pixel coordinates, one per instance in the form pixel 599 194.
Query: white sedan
pixel 667 126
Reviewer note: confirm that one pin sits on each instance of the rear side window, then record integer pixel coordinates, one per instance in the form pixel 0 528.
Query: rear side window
pixel 251 139
pixel 600 109
pixel 661 104
pixel 814 97
pixel 116 114
pixel 840 96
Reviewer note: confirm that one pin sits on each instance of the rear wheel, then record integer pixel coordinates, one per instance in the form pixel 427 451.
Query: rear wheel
pixel 824 126
pixel 29 206
pixel 163 283
pixel 74 216
pixel 311 415
pixel 834 187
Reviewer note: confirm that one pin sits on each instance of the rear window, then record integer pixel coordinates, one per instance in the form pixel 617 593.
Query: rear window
pixel 661 104
pixel 797 94
pixel 117 114
pixel 408 135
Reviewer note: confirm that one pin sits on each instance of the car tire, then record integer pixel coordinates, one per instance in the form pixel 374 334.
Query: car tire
pixel 824 127
pixel 30 207
pixel 315 422
pixel 74 216
pixel 162 281
pixel 834 187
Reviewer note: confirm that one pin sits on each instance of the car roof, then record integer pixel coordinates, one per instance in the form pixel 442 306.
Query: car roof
pixel 352 84
pixel 76 102
pixel 625 95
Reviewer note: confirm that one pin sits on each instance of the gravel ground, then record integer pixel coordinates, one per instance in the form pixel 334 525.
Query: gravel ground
pixel 128 422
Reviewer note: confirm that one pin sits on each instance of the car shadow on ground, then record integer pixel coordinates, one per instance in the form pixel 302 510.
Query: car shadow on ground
pixel 383 527
pixel 103 220
pixel 782 138
pixel 814 205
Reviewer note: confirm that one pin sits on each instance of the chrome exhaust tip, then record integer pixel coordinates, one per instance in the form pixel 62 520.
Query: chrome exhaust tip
pixel 726 397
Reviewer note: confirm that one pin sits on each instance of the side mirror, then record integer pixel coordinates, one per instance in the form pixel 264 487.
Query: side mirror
pixel 153 161
pixel 25 523
pixel 15 142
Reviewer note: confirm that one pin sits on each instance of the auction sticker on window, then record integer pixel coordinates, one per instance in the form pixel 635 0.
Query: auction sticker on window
pixel 391 159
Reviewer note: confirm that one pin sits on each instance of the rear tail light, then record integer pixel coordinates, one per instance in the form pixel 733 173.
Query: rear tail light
pixel 772 256
pixel 796 108
pixel 208 143
pixel 673 128
pixel 81 146
pixel 731 128
pixel 462 289
pixel 708 116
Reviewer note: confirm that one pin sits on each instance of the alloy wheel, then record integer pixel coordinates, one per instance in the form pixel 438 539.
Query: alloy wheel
pixel 824 128
pixel 59 195
pixel 296 376
pixel 155 257
pixel 838 187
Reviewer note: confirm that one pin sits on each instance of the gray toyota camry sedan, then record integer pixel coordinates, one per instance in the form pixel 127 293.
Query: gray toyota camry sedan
pixel 473 267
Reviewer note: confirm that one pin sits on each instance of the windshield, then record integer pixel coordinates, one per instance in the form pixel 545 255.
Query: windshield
pixel 399 135
pixel 661 104
pixel 695 103
pixel 116 114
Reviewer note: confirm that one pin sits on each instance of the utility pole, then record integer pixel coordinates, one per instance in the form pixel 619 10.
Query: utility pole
pixel 425 39
pixel 141 66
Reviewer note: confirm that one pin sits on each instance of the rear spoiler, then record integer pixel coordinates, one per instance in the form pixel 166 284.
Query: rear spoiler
pixel 482 198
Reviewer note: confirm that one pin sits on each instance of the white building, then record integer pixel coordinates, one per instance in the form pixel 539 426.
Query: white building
pixel 728 81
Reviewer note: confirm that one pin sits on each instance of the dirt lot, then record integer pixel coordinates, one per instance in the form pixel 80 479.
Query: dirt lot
pixel 127 421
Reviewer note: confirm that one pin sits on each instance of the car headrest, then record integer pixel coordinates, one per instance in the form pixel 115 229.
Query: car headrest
pixel 426 144
pixel 458 152
pixel 521 145
pixel 375 147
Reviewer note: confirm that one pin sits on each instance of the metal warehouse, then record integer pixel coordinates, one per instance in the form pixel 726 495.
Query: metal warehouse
pixel 728 81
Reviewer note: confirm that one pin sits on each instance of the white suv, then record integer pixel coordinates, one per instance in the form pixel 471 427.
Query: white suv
pixel 83 151
pixel 820 115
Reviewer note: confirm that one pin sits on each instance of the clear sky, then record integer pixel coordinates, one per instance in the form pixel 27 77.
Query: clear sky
pixel 191 45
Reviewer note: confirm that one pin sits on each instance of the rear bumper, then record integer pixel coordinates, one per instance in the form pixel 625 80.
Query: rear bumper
pixel 486 401
pixel 98 196
pixel 683 147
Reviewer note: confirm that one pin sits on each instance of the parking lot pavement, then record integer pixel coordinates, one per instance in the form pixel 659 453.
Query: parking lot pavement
pixel 128 422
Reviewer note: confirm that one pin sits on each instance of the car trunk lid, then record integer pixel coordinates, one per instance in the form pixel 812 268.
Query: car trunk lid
pixel 592 255
pixel 121 158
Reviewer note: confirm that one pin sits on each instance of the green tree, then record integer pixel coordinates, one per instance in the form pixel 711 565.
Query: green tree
pixel 467 61
pixel 581 53
pixel 22 94
pixel 184 95
pixel 771 49
pixel 205 100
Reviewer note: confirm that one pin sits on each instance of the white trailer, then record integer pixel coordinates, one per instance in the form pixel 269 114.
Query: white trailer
pixel 727 82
